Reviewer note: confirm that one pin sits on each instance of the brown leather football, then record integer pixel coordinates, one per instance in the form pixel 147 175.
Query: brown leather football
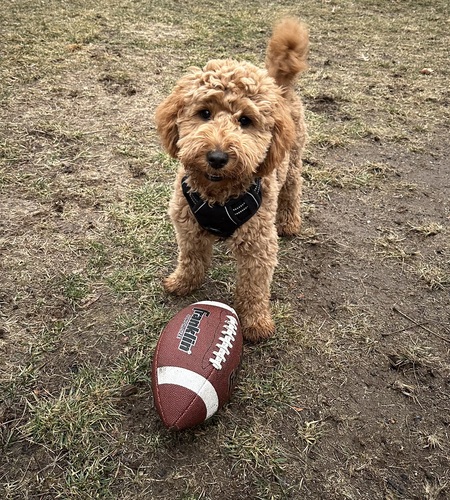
pixel 195 363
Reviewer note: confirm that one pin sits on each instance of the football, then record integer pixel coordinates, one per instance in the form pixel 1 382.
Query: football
pixel 195 363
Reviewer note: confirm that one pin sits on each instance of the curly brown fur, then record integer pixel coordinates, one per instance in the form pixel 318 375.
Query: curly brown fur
pixel 254 118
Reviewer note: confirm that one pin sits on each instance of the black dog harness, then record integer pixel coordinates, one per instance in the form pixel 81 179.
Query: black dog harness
pixel 223 220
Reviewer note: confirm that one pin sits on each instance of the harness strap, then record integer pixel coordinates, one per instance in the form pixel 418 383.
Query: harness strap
pixel 223 220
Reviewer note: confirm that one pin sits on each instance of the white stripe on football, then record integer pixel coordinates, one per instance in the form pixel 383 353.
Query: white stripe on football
pixel 217 304
pixel 188 379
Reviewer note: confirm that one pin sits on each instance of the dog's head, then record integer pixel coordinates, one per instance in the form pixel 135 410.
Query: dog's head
pixel 227 123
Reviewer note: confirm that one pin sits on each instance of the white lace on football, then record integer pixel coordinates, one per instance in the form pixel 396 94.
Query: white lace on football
pixel 226 342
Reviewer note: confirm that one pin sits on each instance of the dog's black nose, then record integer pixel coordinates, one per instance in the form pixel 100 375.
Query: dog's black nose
pixel 217 159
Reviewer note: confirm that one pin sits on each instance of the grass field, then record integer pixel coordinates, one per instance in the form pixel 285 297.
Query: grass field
pixel 351 398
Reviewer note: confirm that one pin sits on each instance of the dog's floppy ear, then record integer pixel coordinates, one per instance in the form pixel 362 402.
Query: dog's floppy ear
pixel 166 120
pixel 283 137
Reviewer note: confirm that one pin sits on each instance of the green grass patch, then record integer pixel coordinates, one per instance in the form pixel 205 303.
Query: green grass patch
pixel 75 288
pixel 77 425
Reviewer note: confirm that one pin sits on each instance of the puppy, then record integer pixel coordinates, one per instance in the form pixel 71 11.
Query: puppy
pixel 238 132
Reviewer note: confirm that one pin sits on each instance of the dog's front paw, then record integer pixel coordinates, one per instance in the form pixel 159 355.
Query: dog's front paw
pixel 289 227
pixel 259 330
pixel 177 286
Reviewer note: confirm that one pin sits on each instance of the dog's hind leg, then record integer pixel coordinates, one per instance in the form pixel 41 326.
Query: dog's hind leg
pixel 289 198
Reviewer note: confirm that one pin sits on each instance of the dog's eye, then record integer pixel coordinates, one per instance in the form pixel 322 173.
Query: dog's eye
pixel 245 121
pixel 205 114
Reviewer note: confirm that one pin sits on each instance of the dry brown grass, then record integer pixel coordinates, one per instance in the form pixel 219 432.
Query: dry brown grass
pixel 349 399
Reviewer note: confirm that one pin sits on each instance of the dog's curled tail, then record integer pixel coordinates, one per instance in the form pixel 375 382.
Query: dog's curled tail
pixel 287 51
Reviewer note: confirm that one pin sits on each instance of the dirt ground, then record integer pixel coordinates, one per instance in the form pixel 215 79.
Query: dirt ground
pixel 351 398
